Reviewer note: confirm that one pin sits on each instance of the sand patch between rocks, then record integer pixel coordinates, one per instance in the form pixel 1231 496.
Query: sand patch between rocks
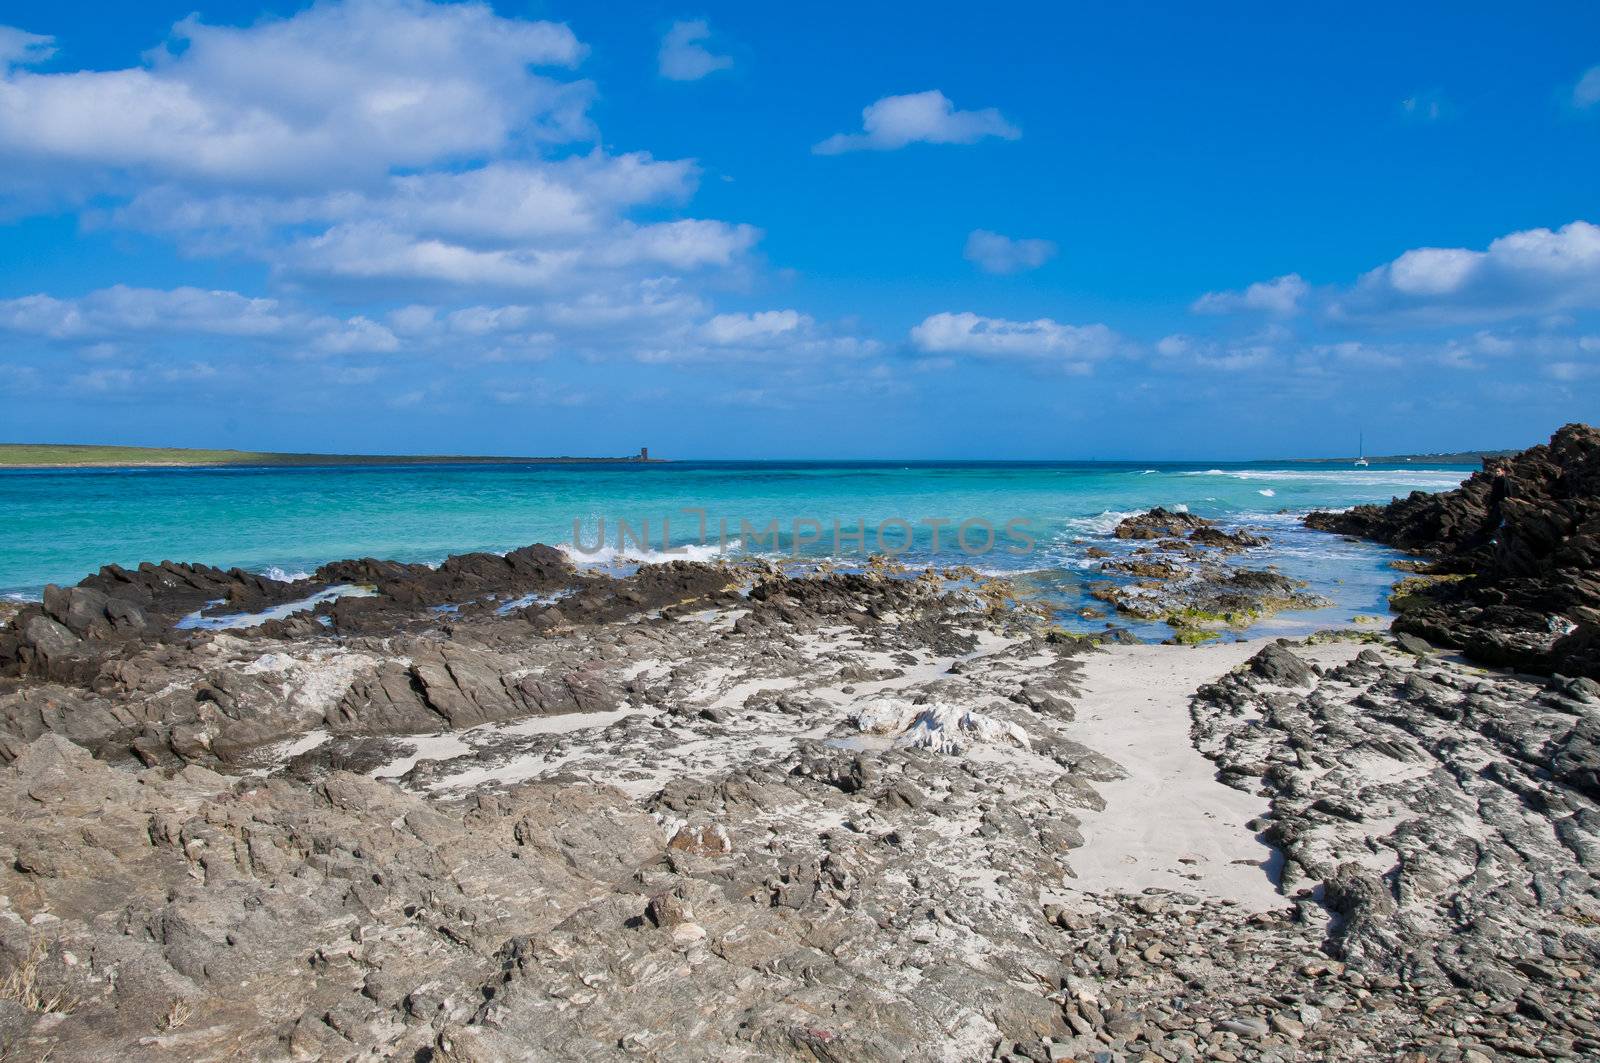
pixel 1170 823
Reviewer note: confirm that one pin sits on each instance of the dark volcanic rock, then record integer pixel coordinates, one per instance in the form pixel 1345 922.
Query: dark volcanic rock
pixel 1525 534
pixel 461 578
pixel 1159 523
pixel 1228 542
pixel 1277 664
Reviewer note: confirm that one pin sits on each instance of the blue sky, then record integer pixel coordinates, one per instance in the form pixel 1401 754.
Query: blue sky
pixel 1053 231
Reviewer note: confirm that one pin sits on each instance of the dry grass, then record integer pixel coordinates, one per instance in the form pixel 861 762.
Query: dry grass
pixel 22 986
pixel 178 1013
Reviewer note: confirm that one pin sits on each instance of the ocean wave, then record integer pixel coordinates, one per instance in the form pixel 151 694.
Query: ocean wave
pixel 1101 523
pixel 284 576
pixel 1420 478
pixel 1267 491
pixel 607 556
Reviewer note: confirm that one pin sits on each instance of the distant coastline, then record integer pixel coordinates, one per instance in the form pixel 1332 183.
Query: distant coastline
pixel 1460 457
pixel 84 456
pixel 93 456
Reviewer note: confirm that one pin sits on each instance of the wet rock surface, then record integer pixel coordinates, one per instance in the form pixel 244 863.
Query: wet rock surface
pixel 1187 575
pixel 1514 555
pixel 718 812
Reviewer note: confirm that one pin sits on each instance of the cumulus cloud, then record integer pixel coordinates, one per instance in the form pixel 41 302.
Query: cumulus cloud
pixel 1073 346
pixel 1533 272
pixel 1280 296
pixel 1586 93
pixel 373 251
pixel 508 224
pixel 764 336
pixel 498 202
pixel 919 117
pixel 684 58
pixel 994 253
pixel 429 168
pixel 120 311
pixel 359 334
pixel 726 330
pixel 338 93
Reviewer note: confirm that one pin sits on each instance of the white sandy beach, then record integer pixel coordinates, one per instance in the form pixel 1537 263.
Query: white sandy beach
pixel 1170 824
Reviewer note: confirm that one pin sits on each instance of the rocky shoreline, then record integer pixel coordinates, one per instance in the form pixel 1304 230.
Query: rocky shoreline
pixel 508 808
pixel 1512 570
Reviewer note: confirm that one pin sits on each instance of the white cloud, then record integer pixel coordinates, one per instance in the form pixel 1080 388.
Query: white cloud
pixel 338 93
pixel 499 202
pixel 1586 93
pixel 488 320
pixel 509 224
pixel 727 330
pixel 375 251
pixel 188 373
pixel 1073 346
pixel 22 49
pixel 920 117
pixel 994 253
pixel 1352 352
pixel 684 58
pixel 1528 273
pixel 763 336
pixel 121 309
pixel 372 251
pixel 687 244
pixel 105 380
pixel 1182 352
pixel 1280 296
pixel 420 159
pixel 359 334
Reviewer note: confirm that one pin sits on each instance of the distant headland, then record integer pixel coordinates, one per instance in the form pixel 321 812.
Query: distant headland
pixel 1459 457
pixel 72 455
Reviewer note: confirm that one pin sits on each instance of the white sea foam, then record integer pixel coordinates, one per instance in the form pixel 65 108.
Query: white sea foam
pixel 285 576
pixel 531 599
pixel 610 556
pixel 1267 491
pixel 196 621
pixel 1438 479
pixel 1100 523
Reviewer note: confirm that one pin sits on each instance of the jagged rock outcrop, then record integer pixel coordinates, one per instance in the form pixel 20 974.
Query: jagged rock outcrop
pixel 1518 547
pixel 1446 818
pixel 1160 523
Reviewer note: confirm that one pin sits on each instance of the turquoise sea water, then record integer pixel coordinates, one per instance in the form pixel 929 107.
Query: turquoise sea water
pixel 61 525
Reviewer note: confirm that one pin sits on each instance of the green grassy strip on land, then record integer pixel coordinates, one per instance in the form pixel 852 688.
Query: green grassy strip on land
pixel 50 455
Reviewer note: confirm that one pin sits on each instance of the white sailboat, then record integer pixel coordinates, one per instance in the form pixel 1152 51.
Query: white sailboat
pixel 1361 457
